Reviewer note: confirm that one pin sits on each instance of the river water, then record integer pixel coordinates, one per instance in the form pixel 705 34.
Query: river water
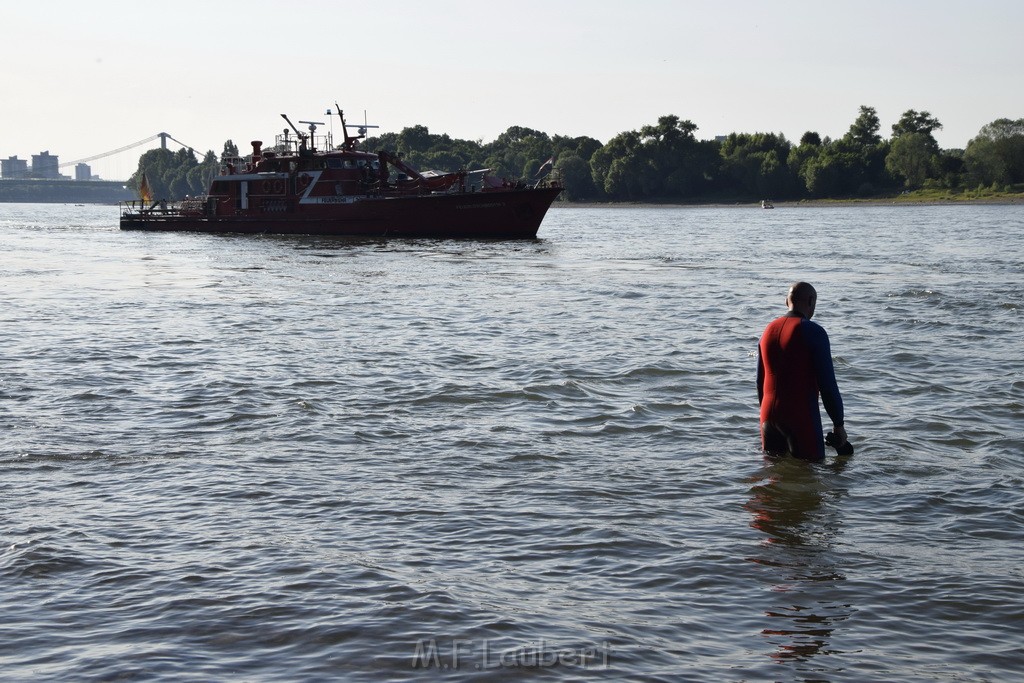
pixel 279 459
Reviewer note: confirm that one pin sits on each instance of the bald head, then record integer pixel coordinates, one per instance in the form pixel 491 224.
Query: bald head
pixel 802 298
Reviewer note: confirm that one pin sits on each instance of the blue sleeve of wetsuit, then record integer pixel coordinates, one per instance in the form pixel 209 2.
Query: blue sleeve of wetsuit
pixel 821 352
pixel 760 376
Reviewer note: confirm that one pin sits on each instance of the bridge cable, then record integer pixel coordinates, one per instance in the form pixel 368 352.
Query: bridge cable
pixel 151 138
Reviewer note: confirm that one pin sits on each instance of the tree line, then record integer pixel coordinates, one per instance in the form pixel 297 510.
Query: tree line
pixel 667 162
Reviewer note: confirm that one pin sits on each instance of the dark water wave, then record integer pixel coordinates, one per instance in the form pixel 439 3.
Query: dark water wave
pixel 282 458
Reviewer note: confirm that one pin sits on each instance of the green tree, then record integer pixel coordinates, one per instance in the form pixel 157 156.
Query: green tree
pixel 912 158
pixel 173 175
pixel 864 130
pixel 835 171
pixel 179 187
pixel 950 169
pixel 869 174
pixel 386 141
pixel 916 122
pixel 154 164
pixel 414 140
pixel 518 152
pixel 754 162
pixel 664 161
pixel 574 174
pixel 811 139
pixel 799 157
pixel 441 160
pixel 201 176
pixel 914 153
pixel 424 150
pixel 583 147
pixel 622 146
pixel 996 154
pixel 624 178
pixel 230 151
pixel 852 165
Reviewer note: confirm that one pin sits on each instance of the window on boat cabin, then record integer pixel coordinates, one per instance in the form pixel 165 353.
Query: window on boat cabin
pixel 342 163
pixel 220 187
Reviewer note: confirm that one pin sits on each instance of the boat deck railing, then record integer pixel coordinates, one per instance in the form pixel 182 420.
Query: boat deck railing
pixel 162 207
pixel 548 182
pixel 141 206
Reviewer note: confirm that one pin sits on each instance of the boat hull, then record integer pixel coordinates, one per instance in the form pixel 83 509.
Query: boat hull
pixel 506 214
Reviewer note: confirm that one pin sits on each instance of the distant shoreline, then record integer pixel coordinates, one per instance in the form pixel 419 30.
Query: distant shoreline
pixel 37 191
pixel 817 203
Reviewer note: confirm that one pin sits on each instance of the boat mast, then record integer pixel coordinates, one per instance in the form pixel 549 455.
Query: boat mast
pixel 350 141
pixel 302 136
pixel 312 132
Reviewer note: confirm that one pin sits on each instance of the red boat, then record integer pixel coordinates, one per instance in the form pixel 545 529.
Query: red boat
pixel 294 188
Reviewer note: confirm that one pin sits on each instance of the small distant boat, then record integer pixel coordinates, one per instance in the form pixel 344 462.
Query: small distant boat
pixel 297 187
pixel 765 204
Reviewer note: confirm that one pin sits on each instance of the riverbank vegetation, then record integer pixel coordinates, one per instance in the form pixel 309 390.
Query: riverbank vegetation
pixel 668 162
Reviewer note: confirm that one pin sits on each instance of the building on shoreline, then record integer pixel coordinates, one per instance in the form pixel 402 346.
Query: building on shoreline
pixel 13 167
pixel 45 165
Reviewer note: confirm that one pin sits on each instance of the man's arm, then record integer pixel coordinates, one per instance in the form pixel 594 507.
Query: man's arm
pixel 821 354
pixel 760 376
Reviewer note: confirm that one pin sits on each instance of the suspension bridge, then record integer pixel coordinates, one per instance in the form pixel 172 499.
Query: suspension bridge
pixel 116 164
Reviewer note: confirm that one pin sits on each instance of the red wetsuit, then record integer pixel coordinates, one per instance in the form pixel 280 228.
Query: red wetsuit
pixel 794 365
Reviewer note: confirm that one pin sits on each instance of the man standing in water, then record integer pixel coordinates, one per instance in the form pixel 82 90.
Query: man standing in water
pixel 794 365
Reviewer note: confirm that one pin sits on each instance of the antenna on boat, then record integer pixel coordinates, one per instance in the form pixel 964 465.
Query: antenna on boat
pixel 330 136
pixel 289 121
pixel 312 131
pixel 350 141
pixel 303 137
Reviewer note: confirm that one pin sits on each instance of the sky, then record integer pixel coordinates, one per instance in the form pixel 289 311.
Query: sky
pixel 87 77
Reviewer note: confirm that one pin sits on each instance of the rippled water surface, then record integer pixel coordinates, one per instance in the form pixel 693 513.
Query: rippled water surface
pixel 278 459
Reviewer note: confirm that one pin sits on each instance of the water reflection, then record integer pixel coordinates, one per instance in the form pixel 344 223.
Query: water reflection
pixel 795 506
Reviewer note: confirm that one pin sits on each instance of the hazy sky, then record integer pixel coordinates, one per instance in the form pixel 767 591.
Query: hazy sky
pixel 85 77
